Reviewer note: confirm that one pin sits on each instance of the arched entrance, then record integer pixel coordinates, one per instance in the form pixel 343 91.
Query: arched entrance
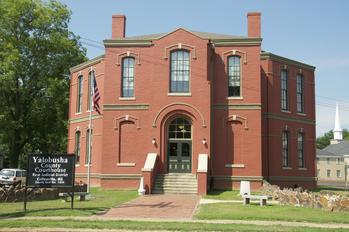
pixel 179 145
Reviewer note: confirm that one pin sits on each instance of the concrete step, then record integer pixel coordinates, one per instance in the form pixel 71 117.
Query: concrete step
pixel 155 191
pixel 182 183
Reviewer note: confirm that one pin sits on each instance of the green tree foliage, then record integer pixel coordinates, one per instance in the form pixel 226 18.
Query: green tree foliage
pixel 36 51
pixel 324 141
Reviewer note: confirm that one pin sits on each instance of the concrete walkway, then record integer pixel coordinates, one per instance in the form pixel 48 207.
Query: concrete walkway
pixel 161 206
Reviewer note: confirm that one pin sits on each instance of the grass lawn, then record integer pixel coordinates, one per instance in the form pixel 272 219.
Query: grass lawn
pixel 103 199
pixel 141 226
pixel 271 213
pixel 225 195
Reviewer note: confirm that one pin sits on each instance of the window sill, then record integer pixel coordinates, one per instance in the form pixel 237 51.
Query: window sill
pixel 301 114
pixel 127 98
pixel 77 165
pixel 126 164
pixel 302 169
pixel 78 113
pixel 86 165
pixel 235 98
pixel 286 111
pixel 179 94
pixel 286 168
pixel 235 165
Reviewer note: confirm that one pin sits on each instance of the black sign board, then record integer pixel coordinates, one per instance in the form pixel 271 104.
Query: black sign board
pixel 51 171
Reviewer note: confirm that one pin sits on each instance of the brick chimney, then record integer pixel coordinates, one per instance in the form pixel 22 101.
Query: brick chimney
pixel 254 24
pixel 118 26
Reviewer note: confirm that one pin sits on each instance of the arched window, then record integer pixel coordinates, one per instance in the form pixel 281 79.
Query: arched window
pixel 179 128
pixel 179 71
pixel 234 76
pixel 79 94
pixel 88 148
pixel 127 89
pixel 300 149
pixel 91 77
pixel 77 147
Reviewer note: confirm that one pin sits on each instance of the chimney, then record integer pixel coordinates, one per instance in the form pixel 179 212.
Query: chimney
pixel 254 24
pixel 118 26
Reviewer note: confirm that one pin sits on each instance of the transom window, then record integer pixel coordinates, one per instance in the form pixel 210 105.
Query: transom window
pixel 79 94
pixel 300 94
pixel 179 128
pixel 285 160
pixel 234 76
pixel 284 90
pixel 300 141
pixel 128 64
pixel 180 70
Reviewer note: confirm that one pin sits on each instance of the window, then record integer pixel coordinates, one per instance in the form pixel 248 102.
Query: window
pixel 79 97
pixel 300 94
pixel 328 160
pixel 338 173
pixel 77 147
pixel 328 173
pixel 285 162
pixel 87 147
pixel 179 128
pixel 338 160
pixel 318 172
pixel 234 76
pixel 284 90
pixel 317 160
pixel 91 77
pixel 128 64
pixel 179 71
pixel 300 149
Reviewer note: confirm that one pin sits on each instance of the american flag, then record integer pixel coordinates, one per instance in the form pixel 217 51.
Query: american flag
pixel 96 96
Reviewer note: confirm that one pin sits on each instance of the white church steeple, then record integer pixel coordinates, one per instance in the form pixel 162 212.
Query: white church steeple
pixel 337 132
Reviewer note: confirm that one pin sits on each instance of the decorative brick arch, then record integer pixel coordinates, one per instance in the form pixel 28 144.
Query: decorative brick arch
pixel 172 47
pixel 235 52
pixel 127 118
pixel 183 105
pixel 236 118
pixel 134 55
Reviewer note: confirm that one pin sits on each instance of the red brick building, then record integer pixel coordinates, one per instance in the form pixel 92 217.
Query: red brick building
pixel 181 95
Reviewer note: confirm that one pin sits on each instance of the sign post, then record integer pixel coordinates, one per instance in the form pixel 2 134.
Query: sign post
pixel 50 171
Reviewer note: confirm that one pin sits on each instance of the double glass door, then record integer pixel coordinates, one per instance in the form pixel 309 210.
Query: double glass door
pixel 179 156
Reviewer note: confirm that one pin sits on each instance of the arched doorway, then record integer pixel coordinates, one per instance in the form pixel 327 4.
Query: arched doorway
pixel 179 145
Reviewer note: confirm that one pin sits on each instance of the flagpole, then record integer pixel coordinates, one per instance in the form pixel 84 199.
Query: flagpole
pixel 89 137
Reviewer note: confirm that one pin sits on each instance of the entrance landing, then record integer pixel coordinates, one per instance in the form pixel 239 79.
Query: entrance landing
pixel 168 206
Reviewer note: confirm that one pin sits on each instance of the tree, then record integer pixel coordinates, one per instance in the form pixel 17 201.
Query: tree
pixel 36 51
pixel 325 140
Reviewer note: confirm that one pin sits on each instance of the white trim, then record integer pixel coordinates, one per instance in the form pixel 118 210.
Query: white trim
pixel 286 111
pixel 179 94
pixel 78 113
pixel 126 164
pixel 235 98
pixel 127 98
pixel 302 169
pixel 302 114
pixel 235 165
pixel 286 168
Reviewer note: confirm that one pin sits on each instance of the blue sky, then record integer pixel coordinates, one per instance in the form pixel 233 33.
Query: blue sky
pixel 314 32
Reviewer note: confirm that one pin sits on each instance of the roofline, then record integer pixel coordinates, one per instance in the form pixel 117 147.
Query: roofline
pixel 237 41
pixel 127 42
pixel 271 56
pixel 329 156
pixel 90 62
